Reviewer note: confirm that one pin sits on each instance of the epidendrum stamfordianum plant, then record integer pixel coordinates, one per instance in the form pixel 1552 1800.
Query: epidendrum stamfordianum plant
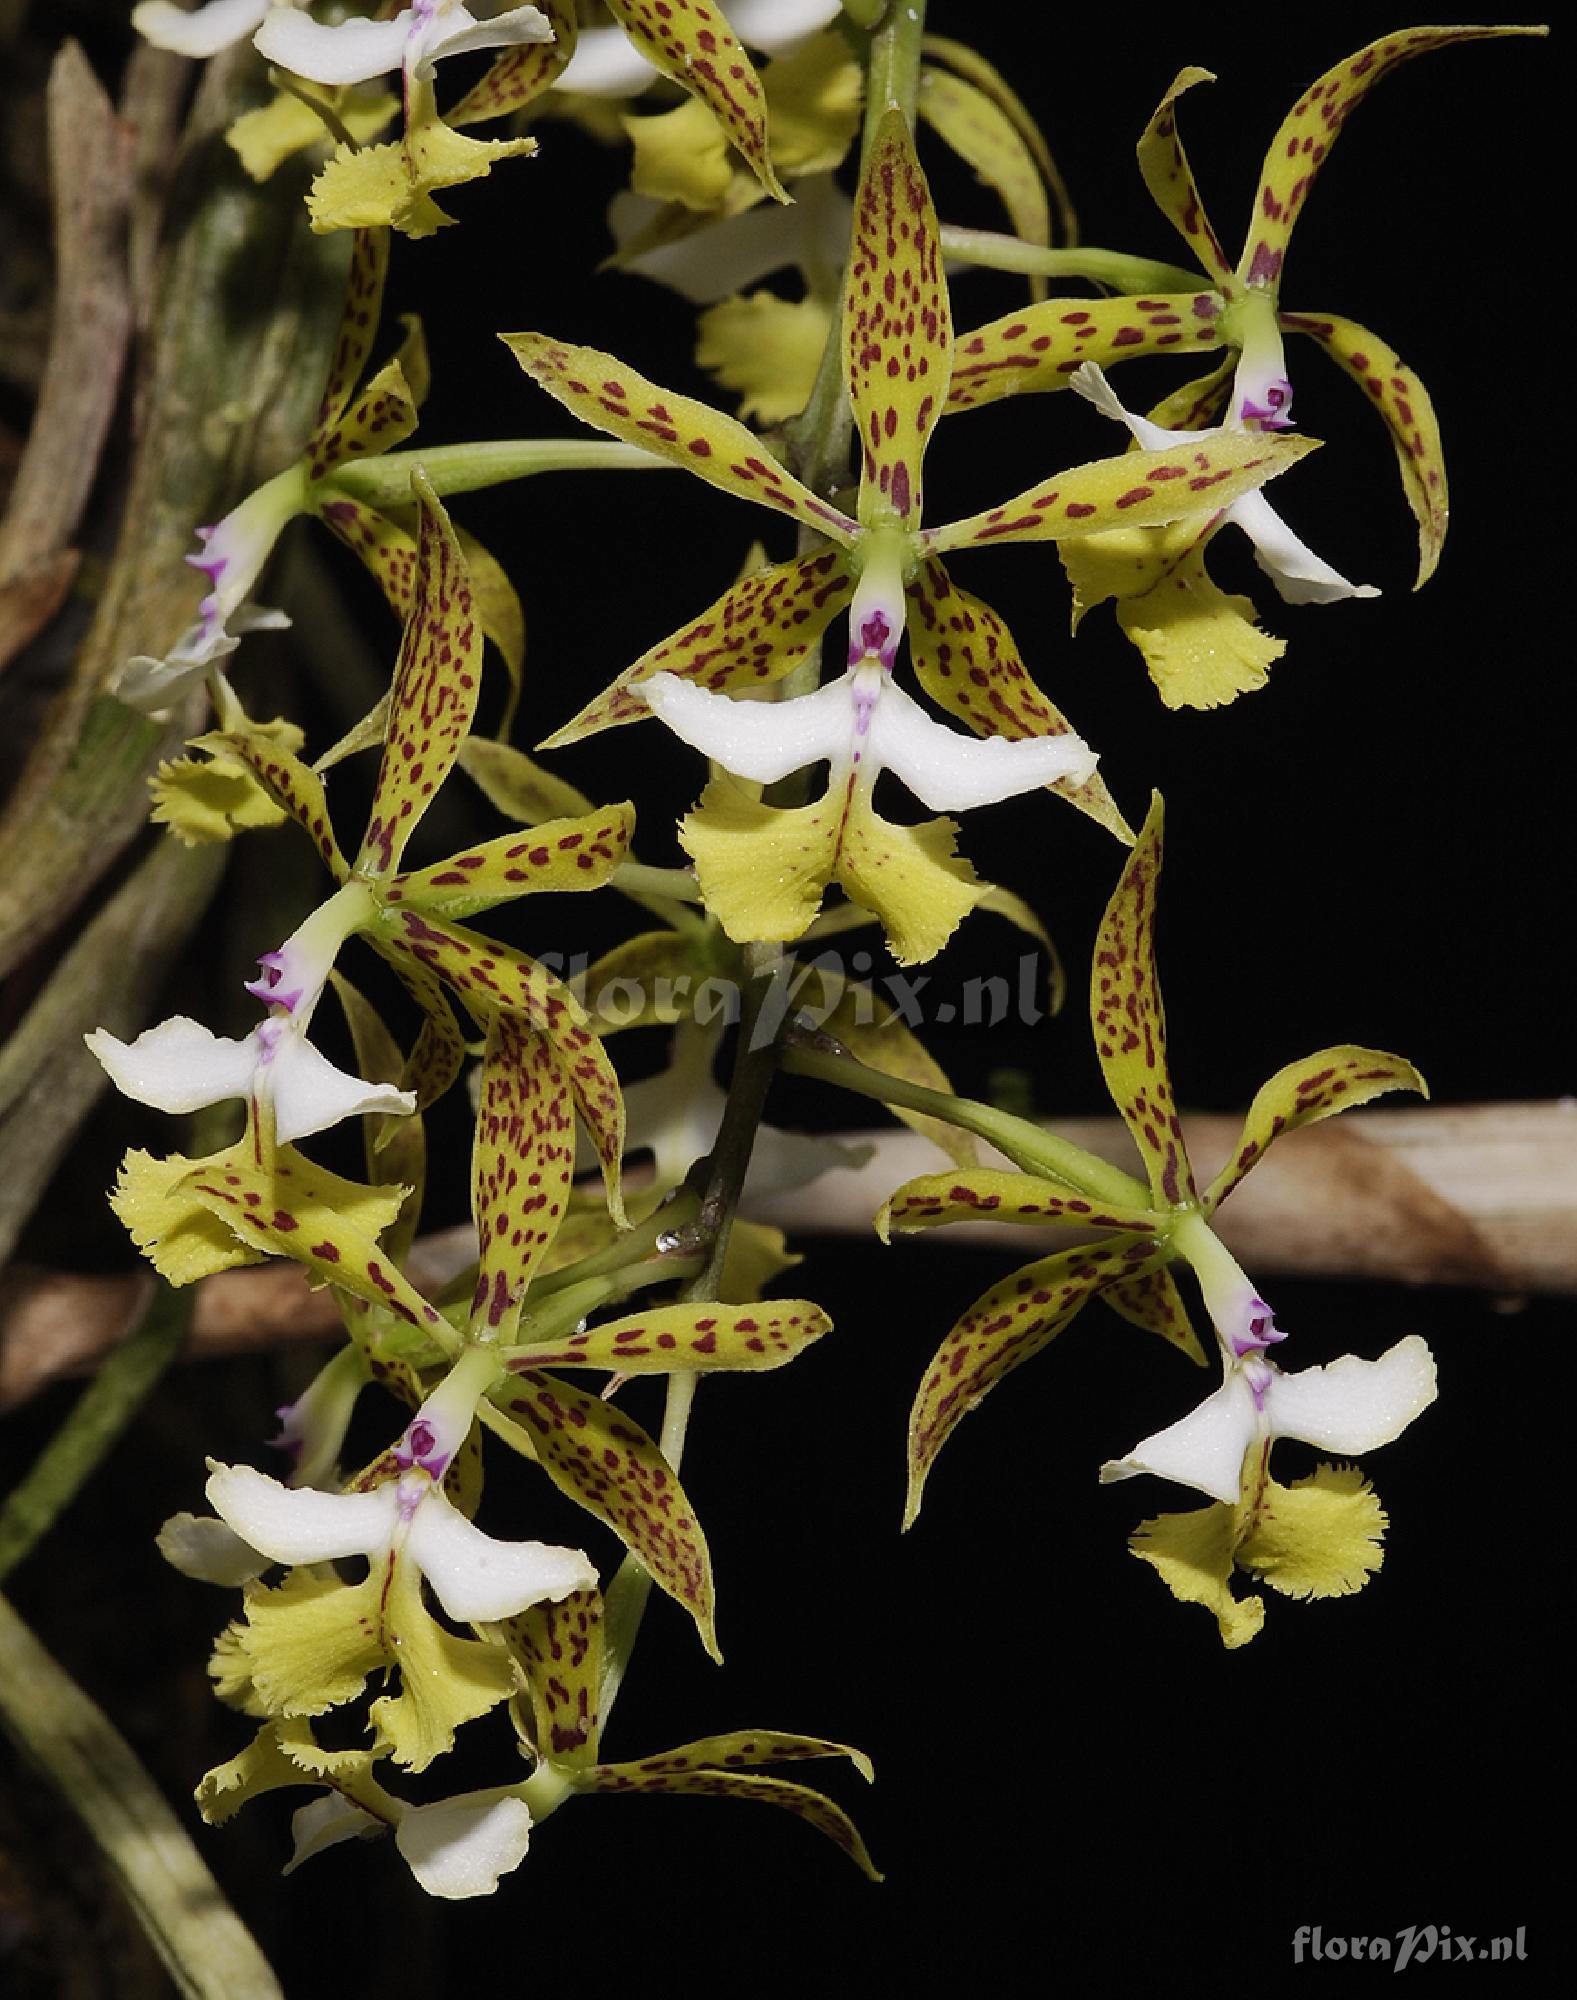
pixel 374 1588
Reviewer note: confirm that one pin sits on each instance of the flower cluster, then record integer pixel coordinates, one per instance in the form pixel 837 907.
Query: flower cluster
pixel 618 1233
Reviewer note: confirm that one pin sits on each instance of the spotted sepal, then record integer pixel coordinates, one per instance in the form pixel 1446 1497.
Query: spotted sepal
pixel 1004 1327
pixel 439 1051
pixel 358 327
pixel 1197 405
pixel 380 544
pixel 382 416
pixel 520 788
pixel 1166 173
pixel 897 326
pixel 559 1647
pixel 692 45
pixel 436 681
pixel 300 1210
pixel 969 663
pixel 1150 1299
pixel 718 1767
pixel 651 980
pixel 611 397
pixel 521 73
pixel 990 1194
pixel 1303 1093
pixel 973 67
pixel 1040 347
pixel 395 1146
pixel 522 1164
pixel 1129 1021
pixel 604 1461
pixel 488 976
pixel 293 786
pixel 1309 130
pixel 704 1337
pixel 1140 489
pixel 982 134
pixel 760 629
pixel 1403 406
pixel 561 854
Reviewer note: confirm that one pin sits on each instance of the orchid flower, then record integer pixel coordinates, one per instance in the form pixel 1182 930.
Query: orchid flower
pixel 349 429
pixel 1349 1406
pixel 310 1643
pixel 181 1066
pixel 764 872
pixel 1298 573
pixel 1202 646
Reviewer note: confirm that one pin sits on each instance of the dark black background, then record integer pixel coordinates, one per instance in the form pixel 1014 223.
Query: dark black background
pixel 1073 1779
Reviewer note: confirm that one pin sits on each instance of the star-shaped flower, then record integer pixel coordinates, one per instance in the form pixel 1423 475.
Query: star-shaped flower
pixel 1349 1406
pixel 309 1644
pixel 764 872
pixel 1201 645
pixel 349 428
pixel 293 1089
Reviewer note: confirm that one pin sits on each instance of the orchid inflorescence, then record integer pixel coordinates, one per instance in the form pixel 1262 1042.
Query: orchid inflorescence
pixel 370 1589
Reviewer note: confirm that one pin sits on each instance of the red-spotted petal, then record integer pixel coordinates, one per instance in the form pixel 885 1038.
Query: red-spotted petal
pixel 1170 179
pixel 897 326
pixel 1040 346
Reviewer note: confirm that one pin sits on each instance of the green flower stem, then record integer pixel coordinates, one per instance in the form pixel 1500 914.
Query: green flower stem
pixel 998 252
pixel 115 1395
pixel 1028 1146
pixel 818 447
pixel 754 1069
pixel 466 468
pixel 71 1742
pixel 633 1246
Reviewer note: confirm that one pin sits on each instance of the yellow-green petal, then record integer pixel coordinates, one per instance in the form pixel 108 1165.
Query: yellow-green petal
pixel 295 787
pixel 301 1210
pixel 180 1238
pixel 262 140
pixel 522 1165
pixel 382 416
pixel 1319 1537
pixel 680 155
pixel 607 394
pixel 897 327
pixel 392 185
pixel 969 663
pixel 560 1649
pixel 1304 1092
pixel 1004 1327
pixel 1403 405
pixel 1152 1301
pixel 559 855
pixel 1129 1021
pixel 694 47
pixel 991 1194
pixel 1192 1554
pixel 358 327
pixel 445 1681
pixel 436 682
pixel 1040 346
pixel 521 73
pixel 980 132
pixel 713 1768
pixel 1170 179
pixel 600 1456
pixel 760 629
pixel 207 799
pixel 488 976
pixel 517 785
pixel 1305 136
pixel 1139 489
pixel 766 350
pixel 700 1337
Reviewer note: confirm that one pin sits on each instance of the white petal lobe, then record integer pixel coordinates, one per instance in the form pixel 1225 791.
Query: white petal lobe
pixel 478 1578
pixel 951 772
pixel 1204 1449
pixel 1354 1405
pixel 300 1525
pixel 460 1847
